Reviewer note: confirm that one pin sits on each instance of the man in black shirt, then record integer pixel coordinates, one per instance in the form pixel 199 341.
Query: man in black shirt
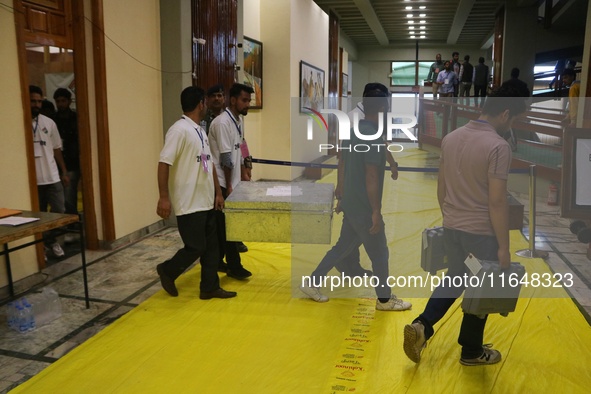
pixel 67 123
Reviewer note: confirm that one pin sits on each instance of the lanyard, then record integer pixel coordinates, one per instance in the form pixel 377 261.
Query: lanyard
pixel 36 124
pixel 481 121
pixel 360 109
pixel 198 133
pixel 235 123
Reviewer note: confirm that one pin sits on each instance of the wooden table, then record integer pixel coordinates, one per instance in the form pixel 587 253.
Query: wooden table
pixel 47 221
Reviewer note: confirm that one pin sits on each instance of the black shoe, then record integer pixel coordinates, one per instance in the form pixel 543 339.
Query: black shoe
pixel 239 273
pixel 166 281
pixel 242 248
pixel 219 293
pixel 222 266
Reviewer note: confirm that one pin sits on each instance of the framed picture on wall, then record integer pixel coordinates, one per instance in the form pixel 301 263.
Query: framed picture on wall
pixel 575 201
pixel 253 70
pixel 344 85
pixel 311 87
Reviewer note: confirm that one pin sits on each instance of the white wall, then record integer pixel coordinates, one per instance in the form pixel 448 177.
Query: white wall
pixel 14 192
pixel 309 42
pixel 134 95
pixel 251 27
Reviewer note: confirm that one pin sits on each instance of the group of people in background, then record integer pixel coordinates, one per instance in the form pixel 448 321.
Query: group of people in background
pixel 454 79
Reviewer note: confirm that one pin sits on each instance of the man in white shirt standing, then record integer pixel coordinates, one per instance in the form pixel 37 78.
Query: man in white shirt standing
pixel 48 156
pixel 229 152
pixel 186 165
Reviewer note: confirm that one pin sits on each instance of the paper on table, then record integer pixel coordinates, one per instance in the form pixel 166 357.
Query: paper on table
pixel 284 191
pixel 16 221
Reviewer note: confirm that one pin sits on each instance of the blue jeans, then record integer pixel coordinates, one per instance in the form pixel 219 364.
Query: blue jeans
pixel 458 245
pixel 51 196
pixel 354 233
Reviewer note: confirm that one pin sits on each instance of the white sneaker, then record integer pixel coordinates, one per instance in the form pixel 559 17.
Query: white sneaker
pixel 393 304
pixel 57 250
pixel 314 293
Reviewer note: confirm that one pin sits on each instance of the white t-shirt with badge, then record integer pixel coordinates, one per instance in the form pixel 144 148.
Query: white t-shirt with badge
pixel 226 135
pixel 46 138
pixel 191 186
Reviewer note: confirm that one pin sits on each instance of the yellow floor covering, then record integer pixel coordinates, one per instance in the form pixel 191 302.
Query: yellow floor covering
pixel 267 341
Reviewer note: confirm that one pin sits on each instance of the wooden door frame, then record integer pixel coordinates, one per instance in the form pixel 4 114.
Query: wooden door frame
pixel 80 71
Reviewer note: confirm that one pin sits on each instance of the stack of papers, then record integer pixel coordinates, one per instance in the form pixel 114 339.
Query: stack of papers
pixel 16 221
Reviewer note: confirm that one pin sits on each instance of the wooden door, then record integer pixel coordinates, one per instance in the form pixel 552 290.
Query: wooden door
pixel 216 22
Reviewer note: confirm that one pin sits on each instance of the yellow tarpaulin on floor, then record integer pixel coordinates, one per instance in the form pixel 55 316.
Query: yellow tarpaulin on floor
pixel 267 341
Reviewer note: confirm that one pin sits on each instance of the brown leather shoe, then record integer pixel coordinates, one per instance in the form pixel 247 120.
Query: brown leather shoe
pixel 166 281
pixel 218 293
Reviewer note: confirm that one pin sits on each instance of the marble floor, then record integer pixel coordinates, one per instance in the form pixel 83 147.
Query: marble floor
pixel 120 280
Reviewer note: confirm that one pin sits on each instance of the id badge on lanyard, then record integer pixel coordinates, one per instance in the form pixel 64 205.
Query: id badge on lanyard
pixel 204 163
pixel 38 150
pixel 244 149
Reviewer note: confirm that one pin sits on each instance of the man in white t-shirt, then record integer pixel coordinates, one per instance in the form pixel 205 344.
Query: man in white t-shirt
pixel 47 146
pixel 229 151
pixel 187 182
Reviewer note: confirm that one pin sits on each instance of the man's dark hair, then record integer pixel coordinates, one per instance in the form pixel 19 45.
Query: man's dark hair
pixel 375 101
pixel 191 97
pixel 62 92
pixel 467 58
pixel 514 72
pixel 507 97
pixel 47 108
pixel 35 89
pixel 455 53
pixel 237 89
pixel 480 59
pixel 375 86
pixel 219 88
pixel 569 71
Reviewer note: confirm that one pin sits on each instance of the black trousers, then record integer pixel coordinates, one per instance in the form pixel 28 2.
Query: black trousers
pixel 228 249
pixel 199 234
pixel 458 245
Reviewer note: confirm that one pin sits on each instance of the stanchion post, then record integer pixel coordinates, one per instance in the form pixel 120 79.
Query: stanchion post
pixel 532 252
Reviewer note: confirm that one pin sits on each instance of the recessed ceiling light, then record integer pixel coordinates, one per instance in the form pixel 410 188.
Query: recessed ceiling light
pixel 411 28
pixel 412 37
pixel 410 22
pixel 422 15
pixel 422 36
pixel 422 22
pixel 422 27
pixel 408 8
pixel 409 15
pixel 422 7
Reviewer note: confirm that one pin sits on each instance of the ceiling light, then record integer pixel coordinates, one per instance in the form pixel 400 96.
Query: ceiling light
pixel 422 27
pixel 412 37
pixel 422 7
pixel 422 22
pixel 410 22
pixel 408 8
pixel 423 15
pixel 409 15
pixel 411 28
pixel 422 36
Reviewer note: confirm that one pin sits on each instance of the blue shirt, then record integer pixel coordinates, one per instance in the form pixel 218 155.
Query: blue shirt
pixel 447 76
